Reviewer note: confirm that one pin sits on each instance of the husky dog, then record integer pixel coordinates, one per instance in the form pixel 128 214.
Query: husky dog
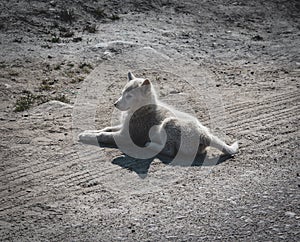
pixel 148 123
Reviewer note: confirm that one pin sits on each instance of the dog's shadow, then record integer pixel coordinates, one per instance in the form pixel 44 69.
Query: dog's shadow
pixel 141 166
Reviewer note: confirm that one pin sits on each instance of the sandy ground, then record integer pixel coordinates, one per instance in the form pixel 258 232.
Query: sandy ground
pixel 235 66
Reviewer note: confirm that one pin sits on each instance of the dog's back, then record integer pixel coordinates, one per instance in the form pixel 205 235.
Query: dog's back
pixel 142 120
pixel 172 123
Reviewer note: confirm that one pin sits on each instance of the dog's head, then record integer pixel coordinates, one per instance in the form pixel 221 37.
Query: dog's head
pixel 136 93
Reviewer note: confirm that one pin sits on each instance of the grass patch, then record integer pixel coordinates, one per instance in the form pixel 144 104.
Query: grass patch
pixel 57 67
pixel 91 28
pixel 13 73
pixel 47 85
pixel 55 39
pixel 99 13
pixel 85 67
pixel 77 39
pixel 55 25
pixel 114 17
pixel 70 73
pixel 67 34
pixel 84 64
pixel 77 79
pixel 28 99
pixel 61 98
pixel 67 15
pixel 24 102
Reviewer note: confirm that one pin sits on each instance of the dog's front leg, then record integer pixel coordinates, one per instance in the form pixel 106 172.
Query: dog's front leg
pixel 94 138
pixel 111 128
pixel 107 129
pixel 107 137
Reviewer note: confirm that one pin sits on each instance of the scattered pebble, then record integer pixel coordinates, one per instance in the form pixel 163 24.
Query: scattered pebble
pixel 257 38
pixel 77 39
pixel 290 214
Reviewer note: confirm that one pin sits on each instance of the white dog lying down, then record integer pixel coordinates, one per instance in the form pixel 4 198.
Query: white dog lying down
pixel 148 124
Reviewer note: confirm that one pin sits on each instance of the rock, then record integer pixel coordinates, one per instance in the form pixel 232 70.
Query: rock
pixel 113 46
pixel 257 38
pixel 52 106
pixel 7 85
pixel 290 214
pixel 77 39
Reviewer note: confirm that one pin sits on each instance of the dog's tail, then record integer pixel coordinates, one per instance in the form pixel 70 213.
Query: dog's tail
pixel 222 146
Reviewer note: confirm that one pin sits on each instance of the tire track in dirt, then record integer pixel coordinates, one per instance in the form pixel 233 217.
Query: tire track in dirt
pixel 245 107
pixel 265 144
pixel 24 201
pixel 239 111
pixel 263 109
pixel 57 176
pixel 241 116
pixel 263 106
pixel 32 165
pixel 90 180
pixel 279 96
pixel 34 168
pixel 22 187
pixel 88 176
pixel 257 121
pixel 266 141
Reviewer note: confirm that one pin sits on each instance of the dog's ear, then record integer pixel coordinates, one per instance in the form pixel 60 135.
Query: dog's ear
pixel 130 76
pixel 146 82
pixel 146 86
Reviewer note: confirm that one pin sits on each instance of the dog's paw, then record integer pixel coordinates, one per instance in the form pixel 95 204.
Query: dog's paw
pixel 88 137
pixel 234 148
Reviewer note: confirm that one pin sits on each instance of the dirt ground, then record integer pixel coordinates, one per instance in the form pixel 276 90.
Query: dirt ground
pixel 233 64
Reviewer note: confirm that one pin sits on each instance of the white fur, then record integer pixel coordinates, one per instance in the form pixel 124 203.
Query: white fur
pixel 155 125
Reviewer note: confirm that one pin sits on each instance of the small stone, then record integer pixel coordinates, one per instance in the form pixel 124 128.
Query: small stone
pixel 77 39
pixel 290 214
pixel 257 38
